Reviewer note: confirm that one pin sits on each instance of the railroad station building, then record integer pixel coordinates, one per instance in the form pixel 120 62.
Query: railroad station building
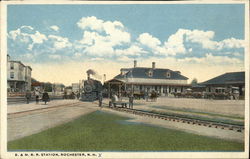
pixel 18 76
pixel 146 79
pixel 232 82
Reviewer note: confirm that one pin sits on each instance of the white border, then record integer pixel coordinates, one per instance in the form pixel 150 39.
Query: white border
pixel 3 87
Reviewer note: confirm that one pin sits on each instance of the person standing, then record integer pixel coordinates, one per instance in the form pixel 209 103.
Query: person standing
pixel 114 99
pixel 100 98
pixel 131 100
pixel 146 95
pixel 45 97
pixel 37 94
pixel 28 96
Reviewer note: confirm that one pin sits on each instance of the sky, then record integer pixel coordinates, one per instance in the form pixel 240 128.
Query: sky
pixel 61 42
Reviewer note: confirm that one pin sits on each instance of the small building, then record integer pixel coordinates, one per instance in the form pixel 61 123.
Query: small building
pixel 18 76
pixel 57 89
pixel 231 82
pixel 147 79
pixel 75 87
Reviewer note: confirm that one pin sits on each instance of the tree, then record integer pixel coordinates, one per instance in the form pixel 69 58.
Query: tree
pixel 194 82
pixel 47 87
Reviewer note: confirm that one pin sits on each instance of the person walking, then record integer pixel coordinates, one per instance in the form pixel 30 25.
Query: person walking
pixel 45 97
pixel 28 96
pixel 131 100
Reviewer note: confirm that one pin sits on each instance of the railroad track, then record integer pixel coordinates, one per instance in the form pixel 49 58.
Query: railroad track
pixel 187 120
pixel 42 109
pixel 18 100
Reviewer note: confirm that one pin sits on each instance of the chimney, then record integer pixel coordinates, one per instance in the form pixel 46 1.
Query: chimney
pixel 135 63
pixel 178 72
pixel 153 65
pixel 104 78
pixel 88 74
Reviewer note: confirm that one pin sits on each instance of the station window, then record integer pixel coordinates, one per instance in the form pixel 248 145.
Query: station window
pixel 168 74
pixel 11 65
pixel 12 74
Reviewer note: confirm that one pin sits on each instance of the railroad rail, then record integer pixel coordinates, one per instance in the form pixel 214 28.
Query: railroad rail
pixel 187 120
pixel 18 100
pixel 43 109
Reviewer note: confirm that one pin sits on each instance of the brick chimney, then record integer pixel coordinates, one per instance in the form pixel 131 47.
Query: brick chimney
pixel 153 65
pixel 135 63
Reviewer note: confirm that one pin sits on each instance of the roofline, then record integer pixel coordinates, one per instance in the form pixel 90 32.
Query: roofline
pixel 158 84
pixel 17 62
pixel 149 68
pixel 29 67
pixel 113 79
pixel 226 83
pixel 222 75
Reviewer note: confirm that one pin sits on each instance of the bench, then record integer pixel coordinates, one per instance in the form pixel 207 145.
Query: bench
pixel 124 104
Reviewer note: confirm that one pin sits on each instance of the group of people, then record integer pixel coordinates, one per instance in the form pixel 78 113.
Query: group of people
pixel 45 96
pixel 152 95
pixel 115 98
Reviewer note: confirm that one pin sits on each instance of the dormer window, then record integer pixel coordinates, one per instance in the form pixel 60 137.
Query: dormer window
pixel 168 75
pixel 150 73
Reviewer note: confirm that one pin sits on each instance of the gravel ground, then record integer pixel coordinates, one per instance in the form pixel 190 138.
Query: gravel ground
pixel 29 124
pixel 225 107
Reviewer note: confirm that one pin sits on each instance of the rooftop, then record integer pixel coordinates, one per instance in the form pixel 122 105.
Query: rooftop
pixel 227 78
pixel 151 73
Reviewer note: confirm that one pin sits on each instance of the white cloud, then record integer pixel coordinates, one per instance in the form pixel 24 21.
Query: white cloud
pixel 125 59
pixel 115 33
pixel 149 40
pixel 231 43
pixel 100 49
pixel 38 38
pixel 174 44
pixel 28 27
pixel 60 42
pixel 55 57
pixel 90 23
pixel 97 59
pixel 54 27
pixel 27 34
pixel 210 59
pixel 202 37
pixel 205 38
pixel 14 33
pixel 132 50
pixel 90 38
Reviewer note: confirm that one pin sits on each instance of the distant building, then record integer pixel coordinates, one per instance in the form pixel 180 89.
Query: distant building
pixel 18 76
pixel 58 88
pixel 229 82
pixel 75 87
pixel 147 79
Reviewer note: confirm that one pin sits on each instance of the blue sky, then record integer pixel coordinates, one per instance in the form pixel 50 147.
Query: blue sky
pixel 191 33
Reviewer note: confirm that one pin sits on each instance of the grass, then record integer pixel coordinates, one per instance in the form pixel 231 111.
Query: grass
pixel 101 131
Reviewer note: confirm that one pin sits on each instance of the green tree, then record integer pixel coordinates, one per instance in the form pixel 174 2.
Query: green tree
pixel 194 82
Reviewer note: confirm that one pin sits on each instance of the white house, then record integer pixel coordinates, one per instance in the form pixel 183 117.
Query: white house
pixel 147 79
pixel 18 76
